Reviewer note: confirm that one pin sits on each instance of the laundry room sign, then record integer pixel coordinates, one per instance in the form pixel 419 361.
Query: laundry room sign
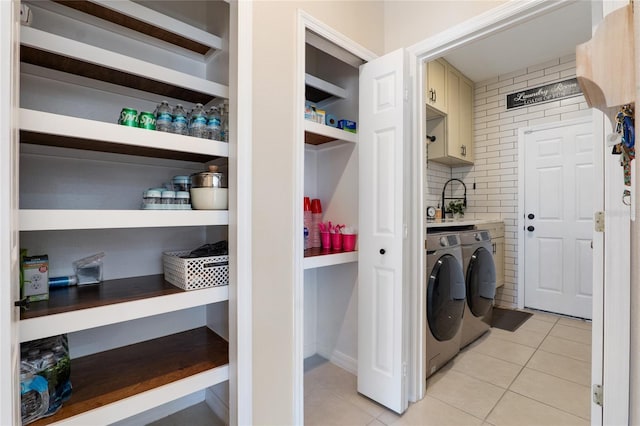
pixel 549 92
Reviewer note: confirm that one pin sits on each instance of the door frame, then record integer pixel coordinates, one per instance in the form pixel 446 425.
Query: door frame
pixel 306 21
pixel 500 18
pixel 598 249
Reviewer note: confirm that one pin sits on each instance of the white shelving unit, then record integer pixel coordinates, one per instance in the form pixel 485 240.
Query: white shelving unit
pixel 71 93
pixel 319 134
pixel 330 259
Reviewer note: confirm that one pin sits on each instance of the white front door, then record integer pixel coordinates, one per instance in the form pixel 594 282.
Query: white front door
pixel 558 210
pixel 382 291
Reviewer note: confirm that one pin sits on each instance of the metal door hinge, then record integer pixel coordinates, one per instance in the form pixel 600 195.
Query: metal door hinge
pixel 406 95
pixel 405 230
pixel 597 394
pixel 598 221
pixel 404 369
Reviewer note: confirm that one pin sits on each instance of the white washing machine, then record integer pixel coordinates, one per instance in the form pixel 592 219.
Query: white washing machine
pixel 480 279
pixel 445 299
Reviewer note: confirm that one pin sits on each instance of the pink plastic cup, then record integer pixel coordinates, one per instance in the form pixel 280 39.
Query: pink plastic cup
pixel 349 242
pixel 336 241
pixel 325 239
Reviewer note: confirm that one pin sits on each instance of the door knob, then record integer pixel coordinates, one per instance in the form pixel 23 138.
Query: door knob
pixel 531 216
pixel 530 228
pixel 382 251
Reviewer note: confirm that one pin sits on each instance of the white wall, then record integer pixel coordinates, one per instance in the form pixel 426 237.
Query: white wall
pixel 495 170
pixel 409 22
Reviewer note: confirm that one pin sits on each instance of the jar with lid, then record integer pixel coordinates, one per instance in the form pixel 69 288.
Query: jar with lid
pixel 168 200
pixel 209 190
pixel 152 199
pixel 181 183
pixel 183 200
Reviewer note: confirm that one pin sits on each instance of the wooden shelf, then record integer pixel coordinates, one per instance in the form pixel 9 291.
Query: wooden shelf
pixel 113 301
pixel 44 128
pixel 318 134
pixel 318 257
pixel 56 220
pixel 147 21
pixel 102 380
pixel 54 52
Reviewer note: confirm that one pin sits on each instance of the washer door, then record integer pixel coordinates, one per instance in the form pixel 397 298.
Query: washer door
pixel 445 298
pixel 481 282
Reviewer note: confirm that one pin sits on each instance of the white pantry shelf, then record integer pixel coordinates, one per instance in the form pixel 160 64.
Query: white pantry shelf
pixel 330 259
pixel 316 134
pixel 75 318
pixel 44 128
pixel 53 51
pixel 55 220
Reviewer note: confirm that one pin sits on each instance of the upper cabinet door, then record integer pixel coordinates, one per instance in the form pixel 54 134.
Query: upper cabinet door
pixel 436 85
pixel 383 135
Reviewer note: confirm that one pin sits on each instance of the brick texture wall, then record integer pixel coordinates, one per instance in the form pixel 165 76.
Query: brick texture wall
pixel 495 170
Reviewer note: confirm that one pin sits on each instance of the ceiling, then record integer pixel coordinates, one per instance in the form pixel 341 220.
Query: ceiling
pixel 536 41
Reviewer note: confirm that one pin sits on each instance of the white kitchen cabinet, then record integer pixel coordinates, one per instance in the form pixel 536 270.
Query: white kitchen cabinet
pixel 136 341
pixel 455 144
pixel 437 94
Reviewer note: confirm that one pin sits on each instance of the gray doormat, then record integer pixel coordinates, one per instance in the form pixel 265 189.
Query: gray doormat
pixel 508 319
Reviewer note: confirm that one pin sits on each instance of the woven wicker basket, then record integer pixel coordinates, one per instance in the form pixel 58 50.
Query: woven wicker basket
pixel 195 273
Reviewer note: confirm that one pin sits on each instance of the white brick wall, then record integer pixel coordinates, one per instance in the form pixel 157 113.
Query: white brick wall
pixel 495 171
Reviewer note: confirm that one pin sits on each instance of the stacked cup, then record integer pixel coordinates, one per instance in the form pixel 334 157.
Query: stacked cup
pixel 307 221
pixel 316 218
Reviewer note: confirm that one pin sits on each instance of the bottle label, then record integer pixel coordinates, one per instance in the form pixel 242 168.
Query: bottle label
pixel 163 117
pixel 200 120
pixel 214 122
pixel 180 119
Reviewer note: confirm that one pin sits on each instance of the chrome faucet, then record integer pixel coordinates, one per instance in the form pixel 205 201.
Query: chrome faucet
pixel 464 201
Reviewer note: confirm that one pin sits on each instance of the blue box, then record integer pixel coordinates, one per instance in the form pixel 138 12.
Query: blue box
pixel 347 125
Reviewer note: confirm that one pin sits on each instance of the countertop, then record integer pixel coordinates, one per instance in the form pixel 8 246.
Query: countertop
pixel 447 223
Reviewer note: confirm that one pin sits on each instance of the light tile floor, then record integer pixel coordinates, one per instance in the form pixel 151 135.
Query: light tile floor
pixel 537 375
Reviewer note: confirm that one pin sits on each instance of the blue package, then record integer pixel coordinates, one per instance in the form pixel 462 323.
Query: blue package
pixel 347 125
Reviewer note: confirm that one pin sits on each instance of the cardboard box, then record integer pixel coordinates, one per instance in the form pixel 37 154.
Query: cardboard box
pixel 347 125
pixel 35 270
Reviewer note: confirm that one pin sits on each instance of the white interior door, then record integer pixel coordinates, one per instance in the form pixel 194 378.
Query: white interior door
pixel 382 317
pixel 558 220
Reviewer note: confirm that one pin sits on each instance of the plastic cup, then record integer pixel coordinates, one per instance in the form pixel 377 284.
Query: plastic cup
pixel 315 206
pixel 336 241
pixel 349 242
pixel 307 204
pixel 325 239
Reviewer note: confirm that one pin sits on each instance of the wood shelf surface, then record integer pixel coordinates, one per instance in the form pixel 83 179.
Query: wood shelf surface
pixel 318 257
pixel 318 134
pixel 58 220
pixel 83 307
pixel 111 376
pixel 149 22
pixel 54 52
pixel 44 128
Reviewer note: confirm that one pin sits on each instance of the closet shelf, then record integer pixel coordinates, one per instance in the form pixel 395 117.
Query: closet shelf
pixel 318 90
pixel 115 384
pixel 52 51
pixel 318 134
pixel 56 220
pixel 317 258
pixel 113 301
pixel 44 128
pixel 149 22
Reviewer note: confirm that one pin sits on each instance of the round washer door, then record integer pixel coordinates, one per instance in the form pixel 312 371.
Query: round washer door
pixel 481 282
pixel 445 298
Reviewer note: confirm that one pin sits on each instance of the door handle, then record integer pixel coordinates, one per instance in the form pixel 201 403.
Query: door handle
pixel 382 251
pixel 531 216
pixel 530 228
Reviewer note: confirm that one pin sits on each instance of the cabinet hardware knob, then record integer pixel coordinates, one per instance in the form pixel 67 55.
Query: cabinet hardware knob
pixel 382 251
pixel 530 228
pixel 531 216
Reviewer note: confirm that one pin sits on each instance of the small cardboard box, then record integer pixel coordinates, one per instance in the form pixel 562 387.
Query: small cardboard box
pixel 35 271
pixel 347 125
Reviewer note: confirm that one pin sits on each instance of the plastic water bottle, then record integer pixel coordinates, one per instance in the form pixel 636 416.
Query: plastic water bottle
pixel 224 122
pixel 163 117
pixel 179 125
pixel 213 124
pixel 198 123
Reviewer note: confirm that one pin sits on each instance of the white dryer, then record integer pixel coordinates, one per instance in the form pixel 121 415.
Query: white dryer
pixel 480 279
pixel 445 296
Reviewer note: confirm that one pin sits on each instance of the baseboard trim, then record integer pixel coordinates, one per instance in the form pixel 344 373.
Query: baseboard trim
pixel 340 359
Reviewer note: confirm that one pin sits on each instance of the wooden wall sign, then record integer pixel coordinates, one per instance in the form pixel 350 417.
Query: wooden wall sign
pixel 547 93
